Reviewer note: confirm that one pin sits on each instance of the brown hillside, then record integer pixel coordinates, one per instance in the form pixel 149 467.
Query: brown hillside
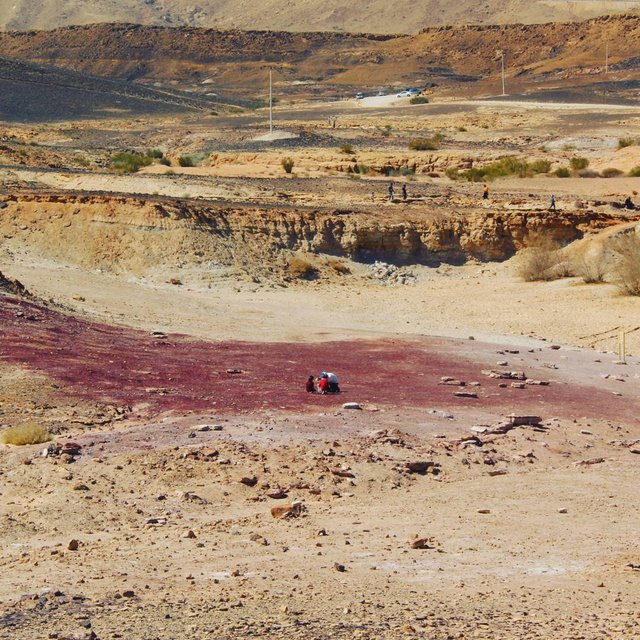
pixel 302 15
pixel 210 60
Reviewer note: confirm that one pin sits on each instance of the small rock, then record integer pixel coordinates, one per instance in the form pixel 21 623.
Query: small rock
pixel 351 405
pixel 249 481
pixel 79 486
pixel 418 466
pixel 563 510
pixel 128 593
pixel 484 510
pixel 465 394
pixel 339 567
pixel 189 534
pixel 73 545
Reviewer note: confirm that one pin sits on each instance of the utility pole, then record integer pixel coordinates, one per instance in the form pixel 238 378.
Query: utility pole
pixel 270 104
pixel 502 61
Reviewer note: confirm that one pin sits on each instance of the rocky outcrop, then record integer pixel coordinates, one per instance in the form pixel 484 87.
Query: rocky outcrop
pixel 138 235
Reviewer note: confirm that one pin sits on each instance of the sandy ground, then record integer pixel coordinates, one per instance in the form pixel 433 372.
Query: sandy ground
pixel 160 523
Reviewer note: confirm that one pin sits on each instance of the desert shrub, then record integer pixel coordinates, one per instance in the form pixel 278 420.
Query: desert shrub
pixel 287 164
pixel 562 172
pixel 461 129
pixel 165 161
pixel 346 148
pixel 154 153
pixel 186 161
pixel 578 163
pixel 126 162
pixel 406 171
pixel 301 268
pixel 213 113
pixel 592 269
pixel 540 260
pixel 625 142
pixel 419 100
pixel 27 433
pixel 338 266
pixel 506 166
pixel 610 172
pixel 452 173
pixel 423 144
pixel 626 268
pixel 540 166
pixel 588 173
pixel 362 169
pixel 635 172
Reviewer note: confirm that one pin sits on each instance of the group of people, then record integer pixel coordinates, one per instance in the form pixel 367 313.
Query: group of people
pixel 326 382
pixel 391 192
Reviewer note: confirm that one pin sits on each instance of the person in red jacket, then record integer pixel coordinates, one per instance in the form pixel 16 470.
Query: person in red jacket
pixel 323 385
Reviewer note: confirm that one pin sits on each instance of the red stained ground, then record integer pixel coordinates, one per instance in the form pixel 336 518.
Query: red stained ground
pixel 128 367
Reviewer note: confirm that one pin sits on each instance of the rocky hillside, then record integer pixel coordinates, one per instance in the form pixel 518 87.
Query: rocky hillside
pixel 33 92
pixel 143 236
pixel 205 60
pixel 301 15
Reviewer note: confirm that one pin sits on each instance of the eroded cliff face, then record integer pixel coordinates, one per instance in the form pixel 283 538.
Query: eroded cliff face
pixel 145 235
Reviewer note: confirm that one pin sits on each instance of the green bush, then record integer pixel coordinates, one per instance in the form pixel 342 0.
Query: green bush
pixel 419 100
pixel 154 153
pixel 610 172
pixel 507 166
pixel 423 144
pixel 287 164
pixel 562 172
pixel 126 162
pixel 186 161
pixel 165 161
pixel 625 142
pixel 540 166
pixel 635 172
pixel 346 148
pixel 578 163
pixel 362 169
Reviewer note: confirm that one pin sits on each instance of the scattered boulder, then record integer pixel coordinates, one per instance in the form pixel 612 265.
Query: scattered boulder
pixel 293 510
pixel 351 405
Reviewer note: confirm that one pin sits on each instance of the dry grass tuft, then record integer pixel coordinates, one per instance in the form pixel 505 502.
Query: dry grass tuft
pixel 301 268
pixel 541 260
pixel 27 433
pixel 626 270
pixel 338 266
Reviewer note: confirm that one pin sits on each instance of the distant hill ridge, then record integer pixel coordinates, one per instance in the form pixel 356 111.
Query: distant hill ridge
pixel 205 59
pixel 372 16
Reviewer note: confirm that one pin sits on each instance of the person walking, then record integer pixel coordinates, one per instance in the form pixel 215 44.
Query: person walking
pixel 552 203
pixel 485 191
pixel 390 192
pixel 404 192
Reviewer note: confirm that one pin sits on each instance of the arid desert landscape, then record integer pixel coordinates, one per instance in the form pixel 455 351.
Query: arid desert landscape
pixel 179 253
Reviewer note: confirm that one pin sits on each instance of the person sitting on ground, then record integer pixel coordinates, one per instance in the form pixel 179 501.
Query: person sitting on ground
pixel 628 204
pixel 311 385
pixel 323 384
pixel 334 385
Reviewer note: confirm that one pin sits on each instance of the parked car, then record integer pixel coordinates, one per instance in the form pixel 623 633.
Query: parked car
pixel 413 91
pixel 359 95
pixel 381 93
pixel 403 94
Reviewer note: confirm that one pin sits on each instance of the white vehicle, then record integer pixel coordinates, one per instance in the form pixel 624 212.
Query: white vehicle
pixel 359 95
